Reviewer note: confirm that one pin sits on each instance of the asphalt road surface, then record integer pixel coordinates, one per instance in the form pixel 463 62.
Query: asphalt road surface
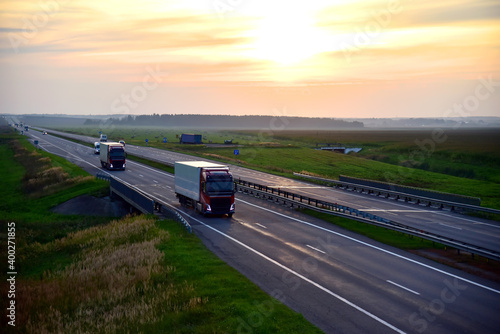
pixel 472 230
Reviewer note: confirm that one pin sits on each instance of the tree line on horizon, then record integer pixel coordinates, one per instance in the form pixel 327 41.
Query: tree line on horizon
pixel 226 121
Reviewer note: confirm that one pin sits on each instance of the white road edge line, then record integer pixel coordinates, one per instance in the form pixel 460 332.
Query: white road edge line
pixel 260 225
pixel 458 217
pixel 451 226
pixel 375 247
pixel 480 223
pixel 149 168
pixel 317 250
pixel 403 287
pixel 373 316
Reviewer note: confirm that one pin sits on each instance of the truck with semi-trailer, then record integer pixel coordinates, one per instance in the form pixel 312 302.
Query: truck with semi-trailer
pixel 206 186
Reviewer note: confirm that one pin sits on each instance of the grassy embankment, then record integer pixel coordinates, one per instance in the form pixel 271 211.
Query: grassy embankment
pixel 138 274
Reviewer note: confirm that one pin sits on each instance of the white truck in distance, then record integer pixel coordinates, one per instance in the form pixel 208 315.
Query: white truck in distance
pixel 206 186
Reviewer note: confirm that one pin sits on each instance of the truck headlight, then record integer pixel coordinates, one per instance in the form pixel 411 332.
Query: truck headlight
pixel 209 209
pixel 232 207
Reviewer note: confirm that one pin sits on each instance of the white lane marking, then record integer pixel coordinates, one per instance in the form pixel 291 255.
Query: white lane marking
pixel 169 187
pixel 371 315
pixel 497 226
pixel 260 225
pixel 458 228
pixel 316 249
pixel 455 216
pixel 395 210
pixel 389 213
pixel 375 247
pixel 155 181
pixel 403 287
pixel 151 169
pixel 296 187
pixel 141 175
pixel 166 199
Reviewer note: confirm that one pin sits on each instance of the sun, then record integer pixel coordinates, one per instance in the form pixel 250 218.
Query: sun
pixel 288 38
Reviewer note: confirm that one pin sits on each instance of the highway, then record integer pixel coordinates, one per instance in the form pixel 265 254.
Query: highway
pixel 453 225
pixel 340 281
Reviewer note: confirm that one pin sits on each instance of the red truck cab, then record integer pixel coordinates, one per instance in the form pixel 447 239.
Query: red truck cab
pixel 206 186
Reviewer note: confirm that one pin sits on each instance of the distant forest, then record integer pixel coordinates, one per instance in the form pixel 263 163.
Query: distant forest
pixel 228 122
pixel 254 122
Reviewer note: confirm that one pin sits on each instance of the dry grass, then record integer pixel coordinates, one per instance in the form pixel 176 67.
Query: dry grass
pixel 41 178
pixel 110 287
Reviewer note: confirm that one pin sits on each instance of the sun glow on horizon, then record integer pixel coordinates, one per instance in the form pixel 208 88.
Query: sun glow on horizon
pixel 287 38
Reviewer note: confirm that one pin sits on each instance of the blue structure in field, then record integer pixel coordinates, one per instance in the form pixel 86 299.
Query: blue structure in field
pixel 187 138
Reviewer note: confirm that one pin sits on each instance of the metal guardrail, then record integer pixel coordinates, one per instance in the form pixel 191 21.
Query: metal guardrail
pixel 171 212
pixel 299 201
pixel 419 200
pixel 142 201
pixel 104 177
pixel 421 192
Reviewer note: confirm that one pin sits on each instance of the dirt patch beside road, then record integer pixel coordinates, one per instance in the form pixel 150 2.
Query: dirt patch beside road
pixel 477 265
pixel 86 205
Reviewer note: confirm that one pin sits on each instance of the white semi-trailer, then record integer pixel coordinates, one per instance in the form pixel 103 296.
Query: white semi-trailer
pixel 112 155
pixel 206 186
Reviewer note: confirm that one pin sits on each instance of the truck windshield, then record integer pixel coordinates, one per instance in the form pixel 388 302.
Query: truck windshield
pixel 219 184
pixel 117 153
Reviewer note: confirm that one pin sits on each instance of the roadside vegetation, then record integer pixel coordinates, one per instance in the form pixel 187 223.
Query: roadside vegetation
pixel 102 275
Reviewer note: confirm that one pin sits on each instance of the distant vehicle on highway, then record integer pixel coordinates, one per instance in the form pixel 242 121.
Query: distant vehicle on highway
pixel 97 147
pixel 103 138
pixel 206 186
pixel 44 133
pixel 122 142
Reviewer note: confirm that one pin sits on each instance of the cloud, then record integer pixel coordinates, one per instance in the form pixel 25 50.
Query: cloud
pixel 448 12
pixel 4 29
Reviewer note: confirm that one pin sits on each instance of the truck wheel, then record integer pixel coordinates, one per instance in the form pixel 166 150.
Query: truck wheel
pixel 102 164
pixel 230 215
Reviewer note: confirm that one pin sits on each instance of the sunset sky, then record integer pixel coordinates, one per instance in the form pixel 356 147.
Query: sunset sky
pixel 379 58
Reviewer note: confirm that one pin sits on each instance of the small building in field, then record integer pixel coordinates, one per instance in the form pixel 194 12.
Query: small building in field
pixel 337 148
